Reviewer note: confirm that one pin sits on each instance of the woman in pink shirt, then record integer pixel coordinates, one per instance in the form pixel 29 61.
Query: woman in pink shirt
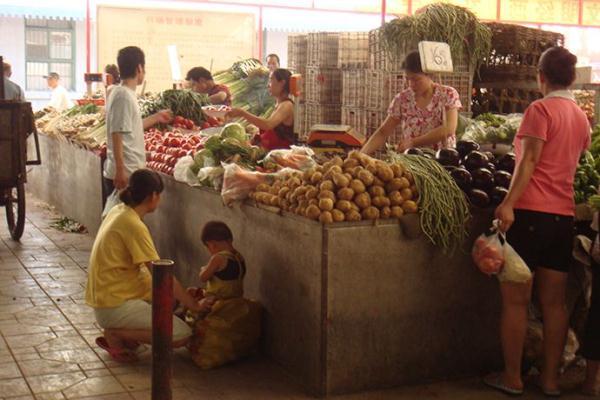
pixel 537 215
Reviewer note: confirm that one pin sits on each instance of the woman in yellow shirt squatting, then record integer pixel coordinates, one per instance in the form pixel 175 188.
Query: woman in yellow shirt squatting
pixel 231 329
pixel 119 285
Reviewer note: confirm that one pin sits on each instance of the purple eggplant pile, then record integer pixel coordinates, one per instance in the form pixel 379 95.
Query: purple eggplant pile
pixel 483 177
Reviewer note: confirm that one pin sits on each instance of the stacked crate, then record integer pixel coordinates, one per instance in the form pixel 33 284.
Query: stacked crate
pixel 353 60
pixel 323 81
pixel 514 57
pixel 297 61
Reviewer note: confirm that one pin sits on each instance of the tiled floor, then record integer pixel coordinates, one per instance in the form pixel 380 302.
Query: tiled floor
pixel 47 336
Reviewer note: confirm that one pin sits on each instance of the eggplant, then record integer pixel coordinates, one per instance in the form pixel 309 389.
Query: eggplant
pixel 497 195
pixel 463 178
pixel 450 168
pixel 502 179
pixel 483 179
pixel 492 167
pixel 475 160
pixel 448 157
pixel 490 156
pixel 414 151
pixel 479 198
pixel 507 163
pixel 464 147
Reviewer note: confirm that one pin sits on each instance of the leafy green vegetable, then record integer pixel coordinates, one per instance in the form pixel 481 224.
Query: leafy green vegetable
pixel 234 130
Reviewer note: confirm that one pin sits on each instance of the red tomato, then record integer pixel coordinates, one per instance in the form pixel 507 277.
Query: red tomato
pixel 187 146
pixel 161 149
pixel 183 152
pixel 195 139
pixel 175 142
pixel 199 146
pixel 170 170
pixel 189 124
pixel 205 125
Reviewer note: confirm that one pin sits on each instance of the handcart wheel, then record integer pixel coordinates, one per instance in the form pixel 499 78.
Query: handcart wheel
pixel 15 210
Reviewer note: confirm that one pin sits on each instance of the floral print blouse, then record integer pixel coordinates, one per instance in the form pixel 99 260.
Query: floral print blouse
pixel 416 121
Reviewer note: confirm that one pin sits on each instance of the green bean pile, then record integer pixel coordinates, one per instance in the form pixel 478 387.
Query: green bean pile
pixel 444 210
pixel 440 22
pixel 186 103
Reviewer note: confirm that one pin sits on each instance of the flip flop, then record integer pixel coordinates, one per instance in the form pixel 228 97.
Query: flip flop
pixel 119 355
pixel 495 382
pixel 548 393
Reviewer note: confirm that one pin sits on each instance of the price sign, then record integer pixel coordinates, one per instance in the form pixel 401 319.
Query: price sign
pixel 435 57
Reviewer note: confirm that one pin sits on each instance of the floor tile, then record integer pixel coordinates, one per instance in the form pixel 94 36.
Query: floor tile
pixel 54 383
pixel 9 370
pixel 14 387
pixel 47 367
pixel 30 340
pixel 75 356
pixel 94 387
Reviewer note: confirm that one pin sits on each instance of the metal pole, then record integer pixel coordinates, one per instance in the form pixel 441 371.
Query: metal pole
pixel 383 11
pixel 88 47
pixel 260 34
pixel 162 328
pixel 1 78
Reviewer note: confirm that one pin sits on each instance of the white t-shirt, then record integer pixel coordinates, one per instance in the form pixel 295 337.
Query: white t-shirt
pixel 123 117
pixel 60 99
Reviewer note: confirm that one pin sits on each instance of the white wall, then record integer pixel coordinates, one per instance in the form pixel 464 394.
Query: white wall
pixel 12 46
pixel 277 42
pixel 13 51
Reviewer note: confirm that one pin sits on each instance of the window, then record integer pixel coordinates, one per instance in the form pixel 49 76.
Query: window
pixel 49 47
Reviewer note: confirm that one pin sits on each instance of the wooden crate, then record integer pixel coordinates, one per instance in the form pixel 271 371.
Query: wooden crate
pixel 353 50
pixel 16 122
pixel 354 87
pixel 323 49
pixel 323 85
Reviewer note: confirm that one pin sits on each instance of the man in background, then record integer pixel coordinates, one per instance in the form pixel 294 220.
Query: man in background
pixel 200 80
pixel 273 62
pixel 12 91
pixel 59 99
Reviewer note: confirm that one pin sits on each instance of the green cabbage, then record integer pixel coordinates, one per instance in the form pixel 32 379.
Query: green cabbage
pixel 234 131
pixel 201 158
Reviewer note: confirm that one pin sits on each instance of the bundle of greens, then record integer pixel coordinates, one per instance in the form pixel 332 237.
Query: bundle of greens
pixel 440 22
pixel 492 128
pixel 185 103
pixel 248 82
pixel 444 210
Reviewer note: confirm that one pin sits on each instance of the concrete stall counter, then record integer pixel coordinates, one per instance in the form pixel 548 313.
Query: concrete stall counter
pixel 347 307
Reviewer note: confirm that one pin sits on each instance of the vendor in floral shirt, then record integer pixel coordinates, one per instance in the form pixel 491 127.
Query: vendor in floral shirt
pixel 427 113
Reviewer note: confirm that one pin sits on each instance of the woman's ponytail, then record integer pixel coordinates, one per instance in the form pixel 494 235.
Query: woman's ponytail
pixel 142 184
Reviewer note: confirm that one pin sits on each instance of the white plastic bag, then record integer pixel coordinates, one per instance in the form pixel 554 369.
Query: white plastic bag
pixel 111 201
pixel 211 177
pixel 183 171
pixel 494 256
pixel 296 157
pixel 514 269
pixel 239 182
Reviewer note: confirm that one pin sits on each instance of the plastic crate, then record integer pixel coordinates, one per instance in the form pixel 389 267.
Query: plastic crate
pixel 463 83
pixel 323 49
pixel 354 86
pixel 323 85
pixel 353 50
pixel 503 101
pixel 300 120
pixel 356 117
pixel 381 88
pixel 317 113
pixel 297 52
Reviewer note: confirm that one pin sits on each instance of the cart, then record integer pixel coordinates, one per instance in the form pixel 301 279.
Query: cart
pixel 16 125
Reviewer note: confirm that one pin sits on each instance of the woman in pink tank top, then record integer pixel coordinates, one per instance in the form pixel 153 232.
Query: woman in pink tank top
pixel 537 215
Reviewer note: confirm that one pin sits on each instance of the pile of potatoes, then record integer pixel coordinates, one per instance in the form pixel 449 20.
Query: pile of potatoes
pixel 357 188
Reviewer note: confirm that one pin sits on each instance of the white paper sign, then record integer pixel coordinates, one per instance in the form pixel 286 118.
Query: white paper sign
pixel 435 57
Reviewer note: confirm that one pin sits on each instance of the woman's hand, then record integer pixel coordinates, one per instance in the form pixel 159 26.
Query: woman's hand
pixel 164 116
pixel 506 215
pixel 235 113
pixel 404 144
pixel 203 305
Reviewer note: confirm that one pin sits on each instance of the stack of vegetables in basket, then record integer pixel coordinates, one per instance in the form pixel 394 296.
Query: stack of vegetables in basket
pixel 357 188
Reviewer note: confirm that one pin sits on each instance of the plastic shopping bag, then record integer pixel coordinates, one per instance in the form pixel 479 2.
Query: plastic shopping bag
pixel 111 201
pixel 514 269
pixel 488 252
pixel 296 157
pixel 494 256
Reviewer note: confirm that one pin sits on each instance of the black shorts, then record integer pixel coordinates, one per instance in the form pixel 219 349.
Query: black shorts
pixel 542 240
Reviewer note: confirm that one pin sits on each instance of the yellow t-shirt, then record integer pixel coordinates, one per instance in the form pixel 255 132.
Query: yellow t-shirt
pixel 117 272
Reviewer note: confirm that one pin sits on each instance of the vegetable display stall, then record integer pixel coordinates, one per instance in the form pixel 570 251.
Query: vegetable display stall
pixel 372 297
